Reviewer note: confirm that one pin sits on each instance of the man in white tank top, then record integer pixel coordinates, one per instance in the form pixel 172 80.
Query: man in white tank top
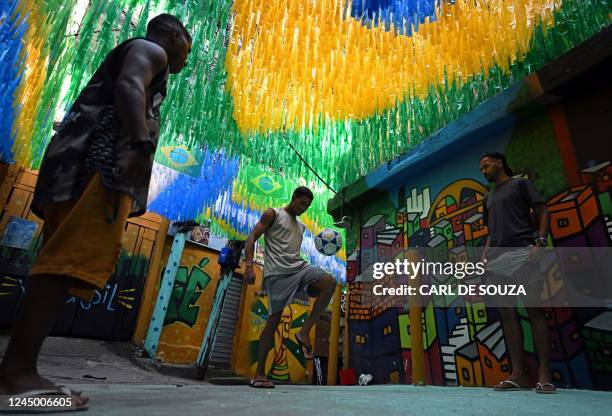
pixel 286 275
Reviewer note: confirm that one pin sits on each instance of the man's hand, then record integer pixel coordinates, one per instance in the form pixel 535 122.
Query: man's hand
pixel 535 250
pixel 249 274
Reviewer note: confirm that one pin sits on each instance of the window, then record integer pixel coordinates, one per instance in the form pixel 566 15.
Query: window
pixel 465 373
pixel 562 222
pixel 387 330
pixel 488 362
pixel 505 368
pixel 365 236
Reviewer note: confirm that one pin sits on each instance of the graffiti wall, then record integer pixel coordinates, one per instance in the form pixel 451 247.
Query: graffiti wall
pixel 190 304
pixel 113 311
pixel 440 207
pixel 285 362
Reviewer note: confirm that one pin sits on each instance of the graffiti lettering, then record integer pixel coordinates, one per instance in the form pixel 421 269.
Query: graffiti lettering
pixel 104 299
pixel 187 290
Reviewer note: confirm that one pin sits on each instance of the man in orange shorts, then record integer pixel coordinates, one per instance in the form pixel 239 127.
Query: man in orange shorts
pixel 95 174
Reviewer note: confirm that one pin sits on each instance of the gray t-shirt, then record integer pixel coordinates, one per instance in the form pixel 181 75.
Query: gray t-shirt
pixel 283 240
pixel 508 215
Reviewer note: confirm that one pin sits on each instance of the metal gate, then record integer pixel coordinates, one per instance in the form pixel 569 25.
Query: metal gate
pixel 221 354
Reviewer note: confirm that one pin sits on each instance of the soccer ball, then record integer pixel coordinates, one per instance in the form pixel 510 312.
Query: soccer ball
pixel 328 242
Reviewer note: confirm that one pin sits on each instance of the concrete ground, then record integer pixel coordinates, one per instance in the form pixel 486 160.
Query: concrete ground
pixel 378 400
pixel 119 385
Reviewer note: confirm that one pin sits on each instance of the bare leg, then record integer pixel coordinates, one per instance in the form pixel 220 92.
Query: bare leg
pixel 266 342
pixel 326 286
pixel 514 341
pixel 44 299
pixel 541 339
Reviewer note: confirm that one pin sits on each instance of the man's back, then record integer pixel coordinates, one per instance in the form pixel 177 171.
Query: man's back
pixel 89 140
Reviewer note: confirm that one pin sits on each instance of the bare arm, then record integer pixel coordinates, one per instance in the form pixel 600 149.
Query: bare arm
pixel 485 213
pixel 264 222
pixel 142 62
pixel 543 218
pixel 483 258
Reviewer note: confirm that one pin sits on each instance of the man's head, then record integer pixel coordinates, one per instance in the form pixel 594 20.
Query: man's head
pixel 494 166
pixel 169 33
pixel 301 200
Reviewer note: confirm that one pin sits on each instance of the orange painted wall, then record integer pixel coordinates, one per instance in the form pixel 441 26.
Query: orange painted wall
pixel 190 304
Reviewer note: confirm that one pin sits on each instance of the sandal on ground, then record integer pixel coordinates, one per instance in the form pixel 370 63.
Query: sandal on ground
pixel 77 402
pixel 261 383
pixel 508 385
pixel 545 388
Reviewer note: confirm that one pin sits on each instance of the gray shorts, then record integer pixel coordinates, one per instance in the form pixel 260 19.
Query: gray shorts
pixel 529 276
pixel 283 289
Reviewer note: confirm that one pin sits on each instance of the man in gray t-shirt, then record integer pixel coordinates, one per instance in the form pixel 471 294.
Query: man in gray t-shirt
pixel 516 216
pixel 286 275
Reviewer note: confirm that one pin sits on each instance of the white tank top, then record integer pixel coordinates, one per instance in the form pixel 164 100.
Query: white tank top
pixel 282 245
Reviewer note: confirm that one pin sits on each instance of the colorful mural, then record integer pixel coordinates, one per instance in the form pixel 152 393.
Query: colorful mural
pixel 190 304
pixel 360 83
pixel 285 345
pixel 464 340
pixel 285 362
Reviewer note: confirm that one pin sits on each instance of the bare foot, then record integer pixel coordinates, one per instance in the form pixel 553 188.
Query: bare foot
pixel 519 379
pixel 304 341
pixel 544 376
pixel 261 382
pixel 23 382
pixel 17 383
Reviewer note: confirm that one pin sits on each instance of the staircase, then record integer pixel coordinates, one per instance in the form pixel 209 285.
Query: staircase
pixel 459 337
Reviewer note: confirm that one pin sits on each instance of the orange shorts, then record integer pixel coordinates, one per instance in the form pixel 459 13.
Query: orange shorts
pixel 82 238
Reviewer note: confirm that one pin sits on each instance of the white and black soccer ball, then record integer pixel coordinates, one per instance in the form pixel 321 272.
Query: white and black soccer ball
pixel 328 242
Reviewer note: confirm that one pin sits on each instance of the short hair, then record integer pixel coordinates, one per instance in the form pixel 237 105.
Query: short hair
pixel 302 191
pixel 502 157
pixel 165 23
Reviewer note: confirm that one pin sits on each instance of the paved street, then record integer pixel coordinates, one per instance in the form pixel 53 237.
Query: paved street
pixel 118 386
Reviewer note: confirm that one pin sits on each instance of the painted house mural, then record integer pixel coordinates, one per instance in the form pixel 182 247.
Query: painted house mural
pixel 440 208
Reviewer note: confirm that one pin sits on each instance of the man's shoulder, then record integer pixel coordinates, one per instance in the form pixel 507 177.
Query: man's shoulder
pixel 148 48
pixel 520 180
pixel 268 216
pixel 271 211
pixel 512 182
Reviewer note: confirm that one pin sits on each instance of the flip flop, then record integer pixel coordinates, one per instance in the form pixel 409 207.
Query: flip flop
pixel 60 391
pixel 306 350
pixel 545 388
pixel 508 385
pixel 261 384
